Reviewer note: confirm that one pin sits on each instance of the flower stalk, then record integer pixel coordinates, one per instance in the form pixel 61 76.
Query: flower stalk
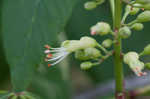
pixel 118 66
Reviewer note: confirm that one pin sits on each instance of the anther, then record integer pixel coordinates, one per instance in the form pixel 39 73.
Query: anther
pixel 47 46
pixel 49 56
pixel 47 51
pixel 49 65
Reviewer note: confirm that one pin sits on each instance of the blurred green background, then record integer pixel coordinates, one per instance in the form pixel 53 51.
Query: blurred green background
pixel 27 25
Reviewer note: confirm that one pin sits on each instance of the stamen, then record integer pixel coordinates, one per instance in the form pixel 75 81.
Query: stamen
pixel 47 51
pixel 49 55
pixel 93 32
pixel 46 59
pixel 143 9
pixel 47 46
pixel 49 65
pixel 59 60
pixel 55 58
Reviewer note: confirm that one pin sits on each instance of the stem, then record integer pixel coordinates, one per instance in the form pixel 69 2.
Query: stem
pixel 112 5
pixel 102 48
pixel 118 67
pixel 124 17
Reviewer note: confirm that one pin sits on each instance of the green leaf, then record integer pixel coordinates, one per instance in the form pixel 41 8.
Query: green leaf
pixel 27 25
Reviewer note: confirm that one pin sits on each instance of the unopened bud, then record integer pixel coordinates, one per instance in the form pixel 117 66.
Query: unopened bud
pixel 132 59
pixel 88 53
pixel 107 43
pixel 100 28
pixel 137 26
pixel 93 53
pixel 90 5
pixel 144 16
pixel 86 42
pixel 130 56
pixel 125 32
pixel 80 55
pixel 86 65
pixel 146 50
pixel 134 11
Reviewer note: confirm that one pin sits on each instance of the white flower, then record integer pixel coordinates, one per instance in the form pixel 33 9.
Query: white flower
pixel 55 55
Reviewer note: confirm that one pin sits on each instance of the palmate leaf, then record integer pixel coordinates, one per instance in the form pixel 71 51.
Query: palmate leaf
pixel 27 25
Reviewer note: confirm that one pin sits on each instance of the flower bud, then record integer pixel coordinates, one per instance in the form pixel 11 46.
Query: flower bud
pixel 93 53
pixel 86 65
pixel 86 42
pixel 137 26
pixel 130 56
pixel 107 43
pixel 125 32
pixel 88 53
pixel 80 55
pixel 100 28
pixel 134 11
pixel 132 59
pixel 90 5
pixel 142 1
pixel 128 8
pixel 144 16
pixel 146 50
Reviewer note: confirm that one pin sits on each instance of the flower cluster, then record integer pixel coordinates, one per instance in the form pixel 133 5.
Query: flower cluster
pixel 85 48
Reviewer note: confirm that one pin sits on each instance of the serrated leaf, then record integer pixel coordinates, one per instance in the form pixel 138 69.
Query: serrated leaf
pixel 27 25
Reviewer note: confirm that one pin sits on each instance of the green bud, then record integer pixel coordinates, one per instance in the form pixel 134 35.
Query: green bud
pixel 128 8
pixel 130 56
pixel 107 43
pixel 125 32
pixel 131 10
pixel 90 5
pixel 146 50
pixel 134 11
pixel 142 1
pixel 86 42
pixel 137 26
pixel 100 28
pixel 86 65
pixel 80 55
pixel 144 16
pixel 93 53
pixel 88 53
pixel 147 65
